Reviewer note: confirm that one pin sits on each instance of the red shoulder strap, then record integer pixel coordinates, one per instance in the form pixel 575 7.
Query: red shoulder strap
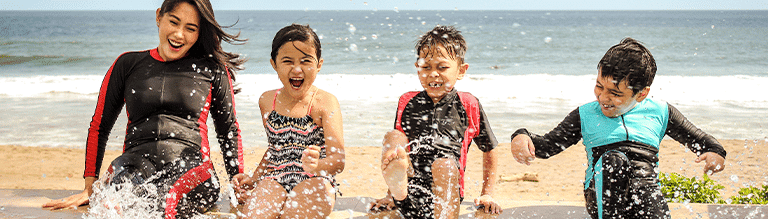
pixel 473 113
pixel 404 99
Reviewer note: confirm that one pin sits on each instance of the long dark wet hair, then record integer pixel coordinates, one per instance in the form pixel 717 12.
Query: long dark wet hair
pixel 211 34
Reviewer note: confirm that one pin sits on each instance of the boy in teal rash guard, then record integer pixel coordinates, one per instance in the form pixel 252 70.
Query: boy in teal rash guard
pixel 622 131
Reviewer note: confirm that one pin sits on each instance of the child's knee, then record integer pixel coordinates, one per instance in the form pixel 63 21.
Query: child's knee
pixel 444 169
pixel 395 137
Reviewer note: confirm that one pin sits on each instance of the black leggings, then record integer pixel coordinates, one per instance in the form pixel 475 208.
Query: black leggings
pixel 185 186
pixel 623 194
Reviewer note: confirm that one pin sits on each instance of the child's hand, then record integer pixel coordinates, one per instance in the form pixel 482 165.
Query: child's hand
pixel 310 158
pixel 713 162
pixel 242 183
pixel 523 149
pixel 382 204
pixel 489 205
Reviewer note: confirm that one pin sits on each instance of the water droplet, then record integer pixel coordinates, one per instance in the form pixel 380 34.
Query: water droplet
pixel 547 39
pixel 734 178
pixel 352 29
pixel 353 47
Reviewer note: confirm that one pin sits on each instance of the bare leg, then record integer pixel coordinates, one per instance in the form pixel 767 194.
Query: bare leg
pixel 311 198
pixel 446 186
pixel 266 200
pixel 394 164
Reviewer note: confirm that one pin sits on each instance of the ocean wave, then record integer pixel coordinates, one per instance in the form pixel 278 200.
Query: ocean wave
pixel 40 60
pixel 387 88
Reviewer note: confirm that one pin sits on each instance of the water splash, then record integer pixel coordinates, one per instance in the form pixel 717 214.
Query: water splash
pixel 124 200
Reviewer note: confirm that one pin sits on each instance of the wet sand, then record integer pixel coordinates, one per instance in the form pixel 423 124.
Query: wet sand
pixel 32 175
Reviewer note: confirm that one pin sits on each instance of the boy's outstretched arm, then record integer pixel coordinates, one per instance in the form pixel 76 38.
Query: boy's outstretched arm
pixel 526 146
pixel 489 174
pixel 704 145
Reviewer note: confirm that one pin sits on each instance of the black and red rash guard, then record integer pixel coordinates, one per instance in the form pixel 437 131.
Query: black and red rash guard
pixel 167 104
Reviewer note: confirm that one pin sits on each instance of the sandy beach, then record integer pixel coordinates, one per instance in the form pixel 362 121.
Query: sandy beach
pixel 33 168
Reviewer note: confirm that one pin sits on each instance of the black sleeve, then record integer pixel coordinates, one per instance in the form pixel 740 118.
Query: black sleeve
pixel 108 106
pixel 683 131
pixel 485 139
pixel 566 134
pixel 225 122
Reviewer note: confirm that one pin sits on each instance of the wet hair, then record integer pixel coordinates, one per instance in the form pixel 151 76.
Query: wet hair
pixel 211 34
pixel 296 32
pixel 446 36
pixel 630 61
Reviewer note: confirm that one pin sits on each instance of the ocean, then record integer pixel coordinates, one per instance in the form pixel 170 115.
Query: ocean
pixel 528 68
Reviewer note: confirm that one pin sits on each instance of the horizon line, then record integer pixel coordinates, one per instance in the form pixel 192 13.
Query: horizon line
pixel 407 10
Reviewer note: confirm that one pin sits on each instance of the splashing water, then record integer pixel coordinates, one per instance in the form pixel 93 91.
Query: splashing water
pixel 123 200
pixel 424 143
pixel 352 29
pixel 127 200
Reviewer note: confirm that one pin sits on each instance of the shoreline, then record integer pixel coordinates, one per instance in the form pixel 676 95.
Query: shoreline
pixel 61 169
pixel 33 175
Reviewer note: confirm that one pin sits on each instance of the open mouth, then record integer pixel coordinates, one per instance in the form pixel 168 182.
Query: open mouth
pixel 174 44
pixel 296 82
pixel 435 84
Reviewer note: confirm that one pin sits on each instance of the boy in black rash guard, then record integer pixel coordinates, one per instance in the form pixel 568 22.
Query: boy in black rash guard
pixel 437 126
pixel 622 132
pixel 168 93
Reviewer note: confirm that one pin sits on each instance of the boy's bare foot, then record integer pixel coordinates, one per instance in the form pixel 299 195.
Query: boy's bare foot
pixel 394 167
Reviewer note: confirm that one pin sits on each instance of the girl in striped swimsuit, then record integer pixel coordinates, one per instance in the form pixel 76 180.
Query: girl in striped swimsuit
pixel 304 126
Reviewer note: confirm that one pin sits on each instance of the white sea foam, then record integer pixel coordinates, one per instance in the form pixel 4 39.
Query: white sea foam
pixel 62 106
pixel 737 89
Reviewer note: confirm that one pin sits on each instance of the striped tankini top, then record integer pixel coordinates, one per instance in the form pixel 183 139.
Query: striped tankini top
pixel 288 137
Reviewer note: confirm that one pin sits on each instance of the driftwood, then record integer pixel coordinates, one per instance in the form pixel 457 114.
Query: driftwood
pixel 529 177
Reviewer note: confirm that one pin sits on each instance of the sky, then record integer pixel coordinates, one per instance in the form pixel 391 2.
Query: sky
pixel 397 5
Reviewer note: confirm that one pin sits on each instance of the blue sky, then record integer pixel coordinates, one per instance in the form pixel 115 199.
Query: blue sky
pixel 400 4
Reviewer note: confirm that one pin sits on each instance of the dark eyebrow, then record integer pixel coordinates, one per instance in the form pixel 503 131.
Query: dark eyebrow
pixel 179 19
pixel 610 89
pixel 310 57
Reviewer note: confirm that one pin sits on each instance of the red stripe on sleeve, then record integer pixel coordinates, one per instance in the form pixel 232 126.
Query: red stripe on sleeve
pixel 473 119
pixel 92 144
pixel 240 161
pixel 205 149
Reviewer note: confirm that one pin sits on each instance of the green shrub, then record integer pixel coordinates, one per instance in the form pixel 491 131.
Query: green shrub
pixel 678 188
pixel 751 195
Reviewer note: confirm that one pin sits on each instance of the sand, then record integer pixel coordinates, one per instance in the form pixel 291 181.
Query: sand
pixel 559 178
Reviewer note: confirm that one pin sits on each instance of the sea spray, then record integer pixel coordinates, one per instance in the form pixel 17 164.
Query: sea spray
pixel 128 200
pixel 124 200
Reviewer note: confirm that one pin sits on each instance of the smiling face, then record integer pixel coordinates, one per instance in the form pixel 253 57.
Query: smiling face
pixel 178 31
pixel 616 100
pixel 438 72
pixel 297 67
